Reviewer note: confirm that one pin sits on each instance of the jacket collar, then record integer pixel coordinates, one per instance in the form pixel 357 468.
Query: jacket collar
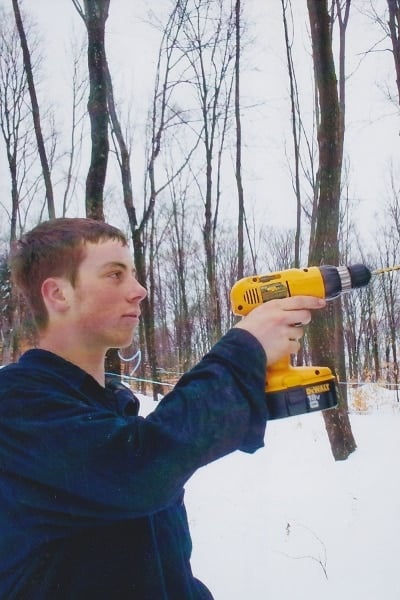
pixel 115 395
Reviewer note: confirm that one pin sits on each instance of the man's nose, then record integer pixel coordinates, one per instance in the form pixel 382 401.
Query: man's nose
pixel 137 291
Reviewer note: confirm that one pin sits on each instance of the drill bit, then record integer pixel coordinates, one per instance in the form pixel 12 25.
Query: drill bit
pixel 386 270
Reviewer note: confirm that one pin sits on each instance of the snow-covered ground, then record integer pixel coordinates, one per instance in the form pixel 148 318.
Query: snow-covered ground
pixel 290 523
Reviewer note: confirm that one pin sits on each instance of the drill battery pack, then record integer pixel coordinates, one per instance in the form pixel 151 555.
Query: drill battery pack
pixel 302 399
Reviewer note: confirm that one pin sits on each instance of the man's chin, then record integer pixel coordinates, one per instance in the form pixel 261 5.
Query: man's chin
pixel 126 341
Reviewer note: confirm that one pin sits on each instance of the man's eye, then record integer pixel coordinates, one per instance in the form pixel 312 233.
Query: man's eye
pixel 116 274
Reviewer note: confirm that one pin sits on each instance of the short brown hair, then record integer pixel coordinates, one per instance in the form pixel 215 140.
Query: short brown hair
pixel 54 248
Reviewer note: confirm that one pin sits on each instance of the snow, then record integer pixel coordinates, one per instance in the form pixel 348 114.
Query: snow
pixel 289 522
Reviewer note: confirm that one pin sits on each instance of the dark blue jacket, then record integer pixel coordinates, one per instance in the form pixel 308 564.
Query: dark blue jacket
pixel 91 495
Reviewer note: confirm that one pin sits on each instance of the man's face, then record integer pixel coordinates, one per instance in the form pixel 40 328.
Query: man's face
pixel 105 301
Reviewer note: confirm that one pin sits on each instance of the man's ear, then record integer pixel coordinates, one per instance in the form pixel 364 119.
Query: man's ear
pixel 55 294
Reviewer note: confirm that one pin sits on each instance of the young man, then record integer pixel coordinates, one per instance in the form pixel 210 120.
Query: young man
pixel 91 495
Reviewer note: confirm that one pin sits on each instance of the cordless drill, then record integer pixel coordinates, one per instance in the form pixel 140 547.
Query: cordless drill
pixel 297 390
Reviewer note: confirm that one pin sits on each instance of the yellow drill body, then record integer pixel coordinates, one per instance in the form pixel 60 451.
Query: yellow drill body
pixel 295 390
pixel 250 292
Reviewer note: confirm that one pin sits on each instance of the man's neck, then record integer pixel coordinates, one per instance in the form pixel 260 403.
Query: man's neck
pixel 85 358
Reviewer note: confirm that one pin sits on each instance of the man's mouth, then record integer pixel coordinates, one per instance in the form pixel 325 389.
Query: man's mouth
pixel 134 316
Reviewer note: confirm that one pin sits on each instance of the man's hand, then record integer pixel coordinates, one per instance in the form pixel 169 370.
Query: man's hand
pixel 278 324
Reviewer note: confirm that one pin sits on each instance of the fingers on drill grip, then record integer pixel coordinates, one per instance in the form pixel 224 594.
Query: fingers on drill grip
pixel 278 324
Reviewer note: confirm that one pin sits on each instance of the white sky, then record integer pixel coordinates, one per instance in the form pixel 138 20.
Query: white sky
pixel 372 126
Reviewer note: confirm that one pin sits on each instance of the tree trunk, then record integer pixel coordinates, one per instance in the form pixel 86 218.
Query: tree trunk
pixel 147 307
pixel 96 13
pixel 324 248
pixel 35 110
pixel 394 22
pixel 123 154
pixel 238 172
pixel 295 134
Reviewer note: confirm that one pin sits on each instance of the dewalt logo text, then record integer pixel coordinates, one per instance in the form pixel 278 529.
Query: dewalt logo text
pixel 317 389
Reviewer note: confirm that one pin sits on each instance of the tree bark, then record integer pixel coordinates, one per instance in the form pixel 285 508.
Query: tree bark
pixel 394 22
pixel 324 247
pixel 35 110
pixel 295 134
pixel 238 170
pixel 96 14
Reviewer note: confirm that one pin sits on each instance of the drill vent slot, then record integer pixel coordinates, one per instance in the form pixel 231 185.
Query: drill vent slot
pixel 252 296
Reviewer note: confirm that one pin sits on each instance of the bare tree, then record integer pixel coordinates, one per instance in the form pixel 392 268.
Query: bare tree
pixel 238 170
pixel 21 151
pixel 176 241
pixel 79 90
pixel 35 109
pixel 163 116
pixel 166 123
pixel 389 286
pixel 392 208
pixel 394 23
pixel 324 247
pixel 13 114
pixel 94 14
pixel 180 247
pixel 209 48
pixel 296 128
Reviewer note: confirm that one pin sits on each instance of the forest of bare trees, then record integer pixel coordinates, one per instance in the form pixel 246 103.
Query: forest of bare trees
pixel 185 205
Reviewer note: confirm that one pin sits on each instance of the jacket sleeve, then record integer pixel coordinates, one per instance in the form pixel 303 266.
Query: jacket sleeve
pixel 226 392
pixel 97 464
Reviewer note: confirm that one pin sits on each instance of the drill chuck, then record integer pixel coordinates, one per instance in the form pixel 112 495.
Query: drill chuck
pixel 338 280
